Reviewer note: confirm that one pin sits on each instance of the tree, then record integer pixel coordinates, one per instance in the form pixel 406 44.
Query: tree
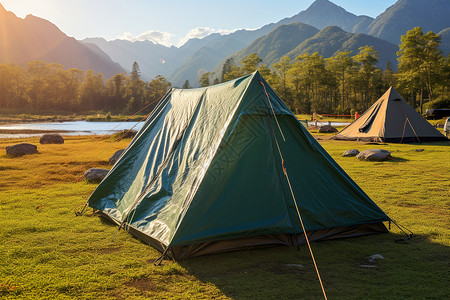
pixel 250 63
pixel 135 72
pixel 12 87
pixel 226 68
pixel 281 68
pixel 420 61
pixel 340 66
pixel 307 77
pixel 235 72
pixel 135 88
pixel 204 79
pixel 388 77
pixel 116 88
pixel 186 85
pixel 156 88
pixel 92 91
pixel 367 59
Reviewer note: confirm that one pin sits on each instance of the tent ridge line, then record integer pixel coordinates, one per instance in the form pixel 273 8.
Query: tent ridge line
pixel 213 150
pixel 163 165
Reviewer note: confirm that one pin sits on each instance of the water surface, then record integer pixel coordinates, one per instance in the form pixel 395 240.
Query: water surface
pixel 67 128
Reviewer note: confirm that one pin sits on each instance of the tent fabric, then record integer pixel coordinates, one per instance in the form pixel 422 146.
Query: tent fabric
pixel 203 175
pixel 390 119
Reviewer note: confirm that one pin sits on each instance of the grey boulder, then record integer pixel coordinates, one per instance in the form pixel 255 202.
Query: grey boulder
pixel 351 152
pixel 374 155
pixel 21 149
pixel 95 175
pixel 51 139
pixel 115 157
pixel 327 129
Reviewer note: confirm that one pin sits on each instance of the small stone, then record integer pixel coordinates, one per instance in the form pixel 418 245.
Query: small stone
pixel 295 265
pixel 51 139
pixel 419 150
pixel 95 175
pixel 21 149
pixel 374 155
pixel 374 257
pixel 327 129
pixel 113 159
pixel 351 152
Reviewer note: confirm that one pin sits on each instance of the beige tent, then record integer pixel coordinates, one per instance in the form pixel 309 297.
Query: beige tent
pixel 390 119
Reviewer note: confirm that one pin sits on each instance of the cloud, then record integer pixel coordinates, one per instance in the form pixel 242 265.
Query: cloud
pixel 201 32
pixel 169 39
pixel 157 37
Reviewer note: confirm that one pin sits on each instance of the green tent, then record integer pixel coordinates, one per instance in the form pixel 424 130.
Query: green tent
pixel 204 175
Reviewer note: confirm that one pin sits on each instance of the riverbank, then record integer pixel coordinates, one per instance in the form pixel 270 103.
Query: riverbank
pixel 32 118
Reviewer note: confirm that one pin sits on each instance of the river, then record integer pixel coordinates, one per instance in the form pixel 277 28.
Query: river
pixel 24 130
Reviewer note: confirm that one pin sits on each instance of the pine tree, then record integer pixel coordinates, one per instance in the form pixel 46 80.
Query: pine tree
pixel 186 85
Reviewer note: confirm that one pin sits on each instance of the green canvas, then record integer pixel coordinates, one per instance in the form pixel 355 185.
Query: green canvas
pixel 204 175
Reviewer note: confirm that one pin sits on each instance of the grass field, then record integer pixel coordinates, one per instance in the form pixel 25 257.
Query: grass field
pixel 46 252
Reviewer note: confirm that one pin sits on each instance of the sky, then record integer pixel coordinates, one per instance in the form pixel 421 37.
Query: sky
pixel 170 22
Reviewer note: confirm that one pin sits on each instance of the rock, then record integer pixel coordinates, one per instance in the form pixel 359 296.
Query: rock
pixel 327 129
pixel 374 155
pixel 113 159
pixel 374 257
pixel 95 175
pixel 419 150
pixel 295 265
pixel 51 139
pixel 352 152
pixel 21 149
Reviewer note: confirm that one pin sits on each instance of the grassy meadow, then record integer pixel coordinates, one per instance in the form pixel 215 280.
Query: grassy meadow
pixel 47 252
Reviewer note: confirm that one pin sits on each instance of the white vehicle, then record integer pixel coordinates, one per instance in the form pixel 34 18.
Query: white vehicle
pixel 447 127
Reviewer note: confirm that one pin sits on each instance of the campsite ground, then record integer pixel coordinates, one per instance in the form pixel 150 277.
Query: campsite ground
pixel 48 252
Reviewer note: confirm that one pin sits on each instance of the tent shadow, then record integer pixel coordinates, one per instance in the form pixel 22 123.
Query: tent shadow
pixel 437 143
pixel 411 268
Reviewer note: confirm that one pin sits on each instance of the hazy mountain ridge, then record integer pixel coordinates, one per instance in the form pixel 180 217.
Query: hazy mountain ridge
pixel 445 40
pixel 304 38
pixel 33 38
pixel 274 45
pixel 41 40
pixel 323 13
pixel 332 39
pixel 404 15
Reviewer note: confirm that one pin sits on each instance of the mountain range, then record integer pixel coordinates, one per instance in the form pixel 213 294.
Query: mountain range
pixel 323 13
pixel 33 38
pixel 297 38
pixel 323 27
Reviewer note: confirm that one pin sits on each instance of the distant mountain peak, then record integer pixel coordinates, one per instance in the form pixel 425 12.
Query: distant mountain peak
pixel 320 5
pixel 332 29
pixel 34 38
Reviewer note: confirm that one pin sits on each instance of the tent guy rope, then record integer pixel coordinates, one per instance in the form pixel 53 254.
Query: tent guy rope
pixel 292 193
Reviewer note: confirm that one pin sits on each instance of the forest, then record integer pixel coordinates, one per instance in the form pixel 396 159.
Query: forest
pixel 39 87
pixel 342 84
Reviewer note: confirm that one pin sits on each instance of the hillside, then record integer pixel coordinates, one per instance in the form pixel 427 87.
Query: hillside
pixel 332 39
pixel 404 15
pixel 445 40
pixel 278 42
pixel 33 38
pixel 295 39
pixel 153 59
pixel 323 13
